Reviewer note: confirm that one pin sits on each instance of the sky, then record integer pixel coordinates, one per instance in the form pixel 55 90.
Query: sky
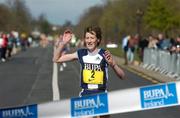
pixel 59 11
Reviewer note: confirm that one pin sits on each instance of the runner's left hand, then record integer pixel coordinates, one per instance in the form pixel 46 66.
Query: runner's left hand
pixel 109 58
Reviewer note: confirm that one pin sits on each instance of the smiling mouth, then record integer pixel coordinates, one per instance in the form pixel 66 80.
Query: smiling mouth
pixel 89 44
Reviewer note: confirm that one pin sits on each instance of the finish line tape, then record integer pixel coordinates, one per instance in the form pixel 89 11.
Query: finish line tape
pixel 127 100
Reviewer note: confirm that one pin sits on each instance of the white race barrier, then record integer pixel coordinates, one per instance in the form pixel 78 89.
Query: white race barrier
pixel 128 100
pixel 162 61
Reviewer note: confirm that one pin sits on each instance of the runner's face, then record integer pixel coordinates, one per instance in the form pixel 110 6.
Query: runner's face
pixel 91 41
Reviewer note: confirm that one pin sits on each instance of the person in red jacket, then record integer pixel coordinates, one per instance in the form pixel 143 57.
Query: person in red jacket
pixel 3 46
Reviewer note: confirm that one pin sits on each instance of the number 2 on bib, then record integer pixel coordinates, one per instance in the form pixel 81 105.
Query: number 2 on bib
pixel 93 77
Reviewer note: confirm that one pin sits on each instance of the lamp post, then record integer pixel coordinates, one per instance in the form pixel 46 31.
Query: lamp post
pixel 116 30
pixel 139 14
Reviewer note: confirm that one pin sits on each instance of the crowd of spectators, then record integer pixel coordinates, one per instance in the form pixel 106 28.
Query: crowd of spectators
pixel 11 43
pixel 164 43
pixel 131 43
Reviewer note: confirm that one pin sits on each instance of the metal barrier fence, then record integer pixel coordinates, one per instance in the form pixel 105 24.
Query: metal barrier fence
pixel 162 61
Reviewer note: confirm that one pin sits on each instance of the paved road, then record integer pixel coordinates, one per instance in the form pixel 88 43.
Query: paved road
pixel 27 79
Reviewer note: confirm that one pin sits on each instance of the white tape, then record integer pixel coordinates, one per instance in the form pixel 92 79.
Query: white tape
pixel 128 100
pixel 57 109
pixel 124 101
pixel 178 90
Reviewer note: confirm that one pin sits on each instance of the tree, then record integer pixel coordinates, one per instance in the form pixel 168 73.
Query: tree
pixel 44 25
pixel 5 18
pixel 160 16
pixel 90 17
pixel 119 18
pixel 21 17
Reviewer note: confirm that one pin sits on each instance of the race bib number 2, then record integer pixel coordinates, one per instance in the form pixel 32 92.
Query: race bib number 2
pixel 93 77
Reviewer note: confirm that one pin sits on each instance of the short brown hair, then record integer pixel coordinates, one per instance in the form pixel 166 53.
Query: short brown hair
pixel 94 30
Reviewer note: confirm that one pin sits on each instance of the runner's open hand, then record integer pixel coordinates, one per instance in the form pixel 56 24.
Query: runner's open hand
pixel 67 36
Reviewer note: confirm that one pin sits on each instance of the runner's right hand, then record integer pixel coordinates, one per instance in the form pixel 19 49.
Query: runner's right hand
pixel 67 36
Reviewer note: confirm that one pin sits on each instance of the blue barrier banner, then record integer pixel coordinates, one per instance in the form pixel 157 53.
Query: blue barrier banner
pixel 158 95
pixel 20 112
pixel 89 105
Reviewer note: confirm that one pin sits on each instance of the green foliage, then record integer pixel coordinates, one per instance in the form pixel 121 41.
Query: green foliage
pixel 5 14
pixel 120 53
pixel 44 25
pixel 15 15
pixel 158 15
pixel 90 17
pixel 21 17
pixel 116 18
pixel 161 16
pixel 116 51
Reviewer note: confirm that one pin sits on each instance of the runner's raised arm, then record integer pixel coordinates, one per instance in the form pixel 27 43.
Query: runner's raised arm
pixel 59 45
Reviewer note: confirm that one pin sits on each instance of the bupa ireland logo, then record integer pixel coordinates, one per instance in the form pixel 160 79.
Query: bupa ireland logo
pixel 159 95
pixel 20 112
pixel 89 105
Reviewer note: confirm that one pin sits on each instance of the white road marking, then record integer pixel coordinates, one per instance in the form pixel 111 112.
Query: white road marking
pixel 55 87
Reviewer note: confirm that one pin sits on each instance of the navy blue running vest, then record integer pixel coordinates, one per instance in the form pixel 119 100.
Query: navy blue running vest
pixel 94 69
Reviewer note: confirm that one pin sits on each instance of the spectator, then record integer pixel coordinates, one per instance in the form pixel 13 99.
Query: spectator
pixel 163 43
pixel 176 45
pixel 29 41
pixel 11 39
pixel 4 47
pixel 23 41
pixel 125 47
pixel 1 43
pixel 131 49
pixel 160 41
pixel 136 40
pixel 142 45
pixel 152 42
pixel 166 43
